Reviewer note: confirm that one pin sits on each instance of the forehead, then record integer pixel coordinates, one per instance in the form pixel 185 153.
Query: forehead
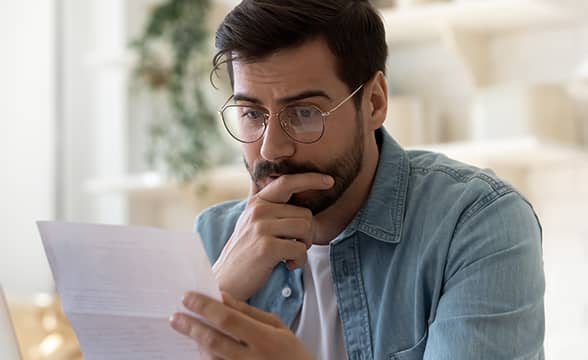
pixel 311 65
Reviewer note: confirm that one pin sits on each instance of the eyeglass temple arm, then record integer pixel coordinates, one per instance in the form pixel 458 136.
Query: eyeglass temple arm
pixel 226 103
pixel 324 114
pixel 342 102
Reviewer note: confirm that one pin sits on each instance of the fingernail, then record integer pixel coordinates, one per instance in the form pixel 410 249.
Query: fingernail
pixel 187 301
pixel 328 180
pixel 178 322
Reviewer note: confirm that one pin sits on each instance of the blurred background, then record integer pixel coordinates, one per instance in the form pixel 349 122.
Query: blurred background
pixel 107 115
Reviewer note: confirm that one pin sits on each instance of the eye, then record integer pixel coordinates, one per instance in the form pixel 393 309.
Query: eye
pixel 252 114
pixel 303 115
pixel 305 112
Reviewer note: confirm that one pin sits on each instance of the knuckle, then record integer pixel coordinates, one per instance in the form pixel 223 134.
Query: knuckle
pixel 264 246
pixel 260 227
pixel 302 252
pixel 194 332
pixel 305 230
pixel 306 213
pixel 301 246
pixel 196 307
pixel 199 307
pixel 257 211
pixel 307 226
pixel 226 320
pixel 209 340
pixel 275 319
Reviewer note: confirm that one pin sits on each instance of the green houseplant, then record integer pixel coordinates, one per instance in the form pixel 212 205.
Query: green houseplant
pixel 173 58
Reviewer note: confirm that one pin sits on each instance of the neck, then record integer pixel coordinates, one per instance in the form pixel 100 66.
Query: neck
pixel 333 220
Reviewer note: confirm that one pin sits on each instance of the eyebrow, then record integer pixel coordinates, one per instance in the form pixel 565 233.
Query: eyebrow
pixel 283 101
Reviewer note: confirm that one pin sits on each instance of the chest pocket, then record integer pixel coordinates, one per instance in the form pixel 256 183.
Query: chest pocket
pixel 414 353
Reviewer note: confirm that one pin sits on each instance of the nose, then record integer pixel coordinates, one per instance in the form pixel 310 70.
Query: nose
pixel 276 145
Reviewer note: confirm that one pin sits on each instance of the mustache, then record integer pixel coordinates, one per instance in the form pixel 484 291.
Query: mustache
pixel 266 168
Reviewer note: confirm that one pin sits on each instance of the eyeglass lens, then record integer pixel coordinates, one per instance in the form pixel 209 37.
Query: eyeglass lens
pixel 303 123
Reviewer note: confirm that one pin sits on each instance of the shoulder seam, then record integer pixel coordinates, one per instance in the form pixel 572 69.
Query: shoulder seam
pixel 495 184
pixel 498 188
pixel 483 203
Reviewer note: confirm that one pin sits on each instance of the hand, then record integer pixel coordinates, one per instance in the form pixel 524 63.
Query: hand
pixel 264 232
pixel 236 330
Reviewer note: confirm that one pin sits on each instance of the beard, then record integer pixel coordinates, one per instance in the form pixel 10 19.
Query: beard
pixel 343 170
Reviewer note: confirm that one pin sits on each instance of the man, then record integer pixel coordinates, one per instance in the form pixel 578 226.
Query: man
pixel 349 246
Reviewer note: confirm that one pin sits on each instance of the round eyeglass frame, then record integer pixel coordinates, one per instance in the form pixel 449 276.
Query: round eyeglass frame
pixel 283 124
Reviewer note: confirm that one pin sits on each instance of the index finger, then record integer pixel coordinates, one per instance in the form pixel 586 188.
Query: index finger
pixel 223 317
pixel 282 189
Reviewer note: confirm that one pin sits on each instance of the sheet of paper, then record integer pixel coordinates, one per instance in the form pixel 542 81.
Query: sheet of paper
pixel 119 285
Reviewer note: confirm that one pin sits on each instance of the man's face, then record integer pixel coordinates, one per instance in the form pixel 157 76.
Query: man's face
pixel 302 75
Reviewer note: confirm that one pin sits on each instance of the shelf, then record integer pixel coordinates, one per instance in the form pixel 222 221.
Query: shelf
pixel 143 182
pixel 525 152
pixel 230 178
pixel 123 60
pixel 428 22
pixel 151 199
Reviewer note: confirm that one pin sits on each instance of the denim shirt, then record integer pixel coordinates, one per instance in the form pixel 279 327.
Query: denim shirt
pixel 443 261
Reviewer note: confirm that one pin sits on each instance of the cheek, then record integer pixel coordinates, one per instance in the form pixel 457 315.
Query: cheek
pixel 321 154
pixel 339 134
pixel 251 152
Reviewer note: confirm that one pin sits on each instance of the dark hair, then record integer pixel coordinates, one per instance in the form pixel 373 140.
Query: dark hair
pixel 352 29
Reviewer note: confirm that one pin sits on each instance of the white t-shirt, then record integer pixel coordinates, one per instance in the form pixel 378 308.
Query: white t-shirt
pixel 318 324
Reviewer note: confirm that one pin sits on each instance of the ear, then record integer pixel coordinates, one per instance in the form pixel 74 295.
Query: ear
pixel 377 98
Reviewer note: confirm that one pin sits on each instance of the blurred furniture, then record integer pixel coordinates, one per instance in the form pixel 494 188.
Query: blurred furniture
pixel 153 200
pixel 8 345
pixel 42 330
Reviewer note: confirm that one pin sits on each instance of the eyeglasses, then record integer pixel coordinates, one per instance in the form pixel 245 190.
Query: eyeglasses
pixel 303 123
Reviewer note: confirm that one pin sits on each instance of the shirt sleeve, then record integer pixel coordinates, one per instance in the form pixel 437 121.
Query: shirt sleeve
pixel 215 226
pixel 491 306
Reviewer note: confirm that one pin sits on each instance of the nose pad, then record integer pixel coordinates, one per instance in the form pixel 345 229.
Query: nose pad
pixel 284 125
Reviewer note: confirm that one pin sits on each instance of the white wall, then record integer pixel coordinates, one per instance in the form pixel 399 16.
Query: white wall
pixel 27 179
pixel 94 107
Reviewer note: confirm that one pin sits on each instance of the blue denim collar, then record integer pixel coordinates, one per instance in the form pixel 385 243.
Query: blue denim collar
pixel 382 215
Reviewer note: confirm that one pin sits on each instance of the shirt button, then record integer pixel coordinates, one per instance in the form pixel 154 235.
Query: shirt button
pixel 286 292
